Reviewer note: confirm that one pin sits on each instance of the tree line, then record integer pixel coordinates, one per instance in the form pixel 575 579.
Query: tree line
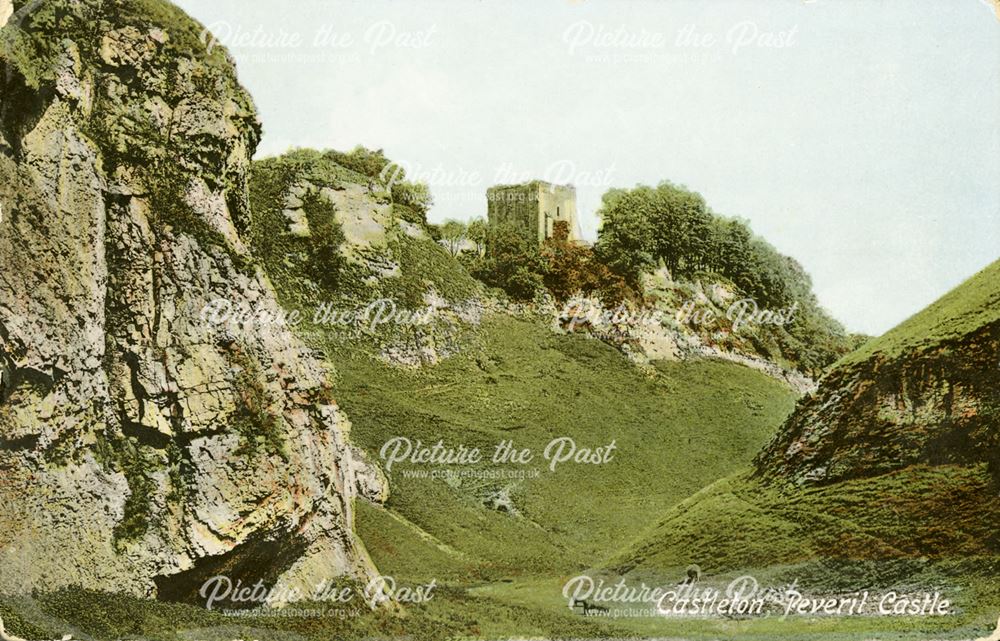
pixel 643 229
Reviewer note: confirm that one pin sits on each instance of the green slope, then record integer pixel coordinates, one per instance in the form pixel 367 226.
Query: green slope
pixel 916 527
pixel 676 427
pixel 919 514
pixel 919 529
pixel 675 430
pixel 972 304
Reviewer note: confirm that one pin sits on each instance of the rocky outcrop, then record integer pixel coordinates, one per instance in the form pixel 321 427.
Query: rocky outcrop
pixel 140 442
pixel 926 393
pixel 398 295
pixel 688 320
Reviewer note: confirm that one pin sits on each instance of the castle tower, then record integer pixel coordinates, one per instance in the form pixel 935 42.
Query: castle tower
pixel 533 207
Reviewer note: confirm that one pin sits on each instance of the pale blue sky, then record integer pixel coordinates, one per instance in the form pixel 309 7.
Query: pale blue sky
pixel 864 141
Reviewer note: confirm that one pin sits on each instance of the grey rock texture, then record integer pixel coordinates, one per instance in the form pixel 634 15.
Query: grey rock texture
pixel 140 441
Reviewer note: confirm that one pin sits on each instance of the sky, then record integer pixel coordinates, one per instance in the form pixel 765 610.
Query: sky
pixel 860 137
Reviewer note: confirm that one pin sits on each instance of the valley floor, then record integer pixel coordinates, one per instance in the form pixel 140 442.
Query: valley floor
pixel 501 549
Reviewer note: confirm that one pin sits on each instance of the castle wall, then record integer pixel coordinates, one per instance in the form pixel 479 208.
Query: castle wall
pixel 525 207
pixel 559 202
pixel 515 205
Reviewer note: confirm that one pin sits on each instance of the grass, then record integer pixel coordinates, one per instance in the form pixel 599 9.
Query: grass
pixel 426 265
pixel 921 512
pixel 657 506
pixel 675 429
pixel 971 305
pixel 544 595
pixel 450 614
pixel 919 529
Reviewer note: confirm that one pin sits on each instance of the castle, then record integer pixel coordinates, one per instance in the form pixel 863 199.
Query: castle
pixel 534 207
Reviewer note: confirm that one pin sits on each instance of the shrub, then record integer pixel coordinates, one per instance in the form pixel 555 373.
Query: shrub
pixel 571 268
pixel 326 262
pixel 512 262
pixel 259 426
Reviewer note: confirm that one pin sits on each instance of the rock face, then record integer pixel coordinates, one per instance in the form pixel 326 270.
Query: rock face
pixel 142 444
pixel 928 392
pixel 397 294
pixel 689 320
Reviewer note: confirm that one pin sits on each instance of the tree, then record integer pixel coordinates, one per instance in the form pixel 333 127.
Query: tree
pixel 511 262
pixel 571 269
pixel 477 233
pixel 626 240
pixel 669 223
pixel 414 195
pixel 566 264
pixel 680 221
pixel 454 233
pixel 326 237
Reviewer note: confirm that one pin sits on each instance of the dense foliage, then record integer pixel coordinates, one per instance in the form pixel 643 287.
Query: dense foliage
pixel 515 263
pixel 643 228
pixel 571 268
pixel 512 262
pixel 325 258
pixel 667 224
pixel 671 226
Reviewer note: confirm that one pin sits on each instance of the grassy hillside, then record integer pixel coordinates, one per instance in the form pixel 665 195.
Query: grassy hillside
pixel 973 304
pixel 921 514
pixel 675 429
pixel 923 528
pixel 888 525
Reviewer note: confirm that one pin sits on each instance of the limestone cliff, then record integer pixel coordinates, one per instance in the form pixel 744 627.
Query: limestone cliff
pixel 142 446
pixel 927 392
pixel 685 320
pixel 337 244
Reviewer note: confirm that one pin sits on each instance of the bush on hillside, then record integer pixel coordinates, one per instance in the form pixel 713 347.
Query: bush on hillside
pixel 512 262
pixel 326 262
pixel 571 268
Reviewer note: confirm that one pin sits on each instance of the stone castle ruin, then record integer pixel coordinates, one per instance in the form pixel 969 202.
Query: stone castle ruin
pixel 534 207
